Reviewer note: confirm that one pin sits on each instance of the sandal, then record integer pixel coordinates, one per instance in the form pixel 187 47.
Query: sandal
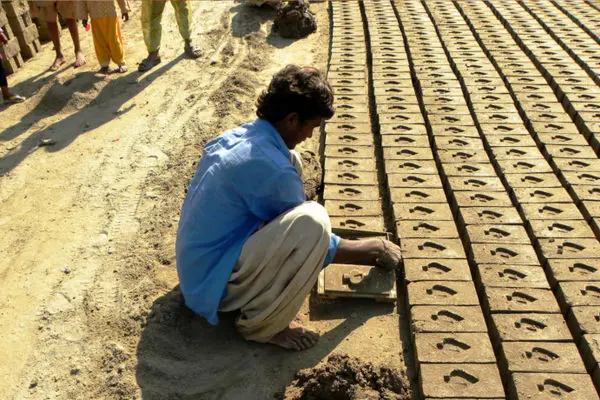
pixel 191 51
pixel 148 63
pixel 14 99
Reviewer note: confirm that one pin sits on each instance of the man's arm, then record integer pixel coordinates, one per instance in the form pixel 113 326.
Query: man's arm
pixel 379 252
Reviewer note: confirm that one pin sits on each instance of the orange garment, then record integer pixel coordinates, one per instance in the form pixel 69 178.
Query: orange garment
pixel 107 40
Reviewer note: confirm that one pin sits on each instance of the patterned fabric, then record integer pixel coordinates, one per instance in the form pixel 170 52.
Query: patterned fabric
pixel 100 8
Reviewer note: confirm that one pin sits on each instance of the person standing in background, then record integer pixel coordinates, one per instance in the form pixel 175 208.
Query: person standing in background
pixel 152 11
pixel 106 30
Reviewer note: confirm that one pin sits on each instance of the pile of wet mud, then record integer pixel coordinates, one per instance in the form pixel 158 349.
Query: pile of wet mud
pixel 348 378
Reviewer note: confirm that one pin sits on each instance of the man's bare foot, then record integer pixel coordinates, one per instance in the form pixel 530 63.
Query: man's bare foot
pixel 79 59
pixel 295 337
pixel 58 61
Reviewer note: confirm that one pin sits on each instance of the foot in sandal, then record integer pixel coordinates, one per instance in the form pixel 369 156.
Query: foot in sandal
pixel 295 337
pixel 149 62
pixel 191 51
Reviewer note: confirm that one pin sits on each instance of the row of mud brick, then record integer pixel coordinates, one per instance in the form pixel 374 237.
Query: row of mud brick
pixel 518 242
pixel 22 34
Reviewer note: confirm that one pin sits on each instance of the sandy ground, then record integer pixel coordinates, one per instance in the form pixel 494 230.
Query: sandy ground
pixel 89 306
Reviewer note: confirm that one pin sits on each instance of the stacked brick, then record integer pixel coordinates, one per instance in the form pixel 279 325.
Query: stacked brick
pixel 558 230
pixel 453 352
pixel 11 53
pixel 351 194
pixel 23 28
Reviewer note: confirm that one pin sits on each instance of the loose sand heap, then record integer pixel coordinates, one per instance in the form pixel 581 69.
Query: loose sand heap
pixel 348 378
pixel 295 20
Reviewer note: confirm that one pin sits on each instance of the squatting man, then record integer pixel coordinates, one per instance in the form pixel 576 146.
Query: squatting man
pixel 248 241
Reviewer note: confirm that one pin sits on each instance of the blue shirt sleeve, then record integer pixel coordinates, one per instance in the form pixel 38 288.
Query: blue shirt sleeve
pixel 276 195
pixel 333 245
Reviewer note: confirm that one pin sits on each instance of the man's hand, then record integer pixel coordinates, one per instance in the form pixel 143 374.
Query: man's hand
pixel 125 17
pixel 390 256
pixel 3 38
pixel 379 252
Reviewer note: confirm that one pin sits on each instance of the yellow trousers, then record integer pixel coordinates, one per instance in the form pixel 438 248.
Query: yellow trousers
pixel 152 11
pixel 107 40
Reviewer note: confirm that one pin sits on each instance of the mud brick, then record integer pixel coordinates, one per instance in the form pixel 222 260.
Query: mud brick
pixel 350 91
pixel 438 270
pixel 503 108
pixel 353 193
pixel 505 254
pixel 389 121
pixel 590 350
pixel 503 129
pixel 454 130
pixel 345 82
pixel 532 180
pixel 569 164
pixel 547 117
pixel 446 109
pixel 480 381
pixel 541 357
pixel 404 129
pixel 12 59
pixel 551 211
pixel 382 68
pixel 450 84
pixel 447 319
pixel 527 80
pixel 15 8
pixel 585 192
pixel 574 270
pixel 579 178
pixel 487 98
pixel 350 178
pixel 424 167
pixel 433 75
pixel 348 58
pixel 468 169
pixel 350 139
pixel 488 215
pixel 516 153
pixel 404 140
pixel 393 78
pixel 461 156
pixel 510 141
pixel 530 327
pixel 437 91
pixel 450 348
pixel 428 212
pixel 591 209
pixel 541 195
pixel 349 164
pixel 557 228
pixel 458 143
pixel 347 127
pixel 573 293
pixel 421 195
pixel 453 120
pixel 556 128
pixel 346 75
pixel 398 108
pixel 487 183
pixel 567 151
pixel 542 107
pixel 487 80
pixel 367 223
pixel 432 248
pixel 512 276
pixel 572 248
pixel 349 102
pixel 10 49
pixel 565 139
pixel 407 153
pixel 584 320
pixel 352 151
pixel 427 229
pixel 523 299
pixel 382 90
pixel 499 118
pixel 549 385
pixel 343 208
pixel 476 198
pixel 452 293
pixel 414 180
pixel 496 233
pixel 443 100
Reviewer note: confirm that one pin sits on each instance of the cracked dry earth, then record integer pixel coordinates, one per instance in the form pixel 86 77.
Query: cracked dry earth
pixel 469 130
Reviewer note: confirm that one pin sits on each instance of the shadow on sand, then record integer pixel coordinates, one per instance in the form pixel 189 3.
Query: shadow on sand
pixel 181 356
pixel 105 107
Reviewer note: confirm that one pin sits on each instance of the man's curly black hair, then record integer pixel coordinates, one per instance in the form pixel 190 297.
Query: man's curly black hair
pixel 296 89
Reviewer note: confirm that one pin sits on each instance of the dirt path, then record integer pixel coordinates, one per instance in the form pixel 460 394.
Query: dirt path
pixel 89 307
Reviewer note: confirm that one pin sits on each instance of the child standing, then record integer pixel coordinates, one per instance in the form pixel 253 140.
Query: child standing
pixel 106 30
pixel 7 95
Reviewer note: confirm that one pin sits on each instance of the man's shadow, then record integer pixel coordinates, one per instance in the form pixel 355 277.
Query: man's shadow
pixel 181 356
pixel 97 112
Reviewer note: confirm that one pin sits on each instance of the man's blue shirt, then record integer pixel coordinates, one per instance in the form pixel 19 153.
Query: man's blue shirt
pixel 244 178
